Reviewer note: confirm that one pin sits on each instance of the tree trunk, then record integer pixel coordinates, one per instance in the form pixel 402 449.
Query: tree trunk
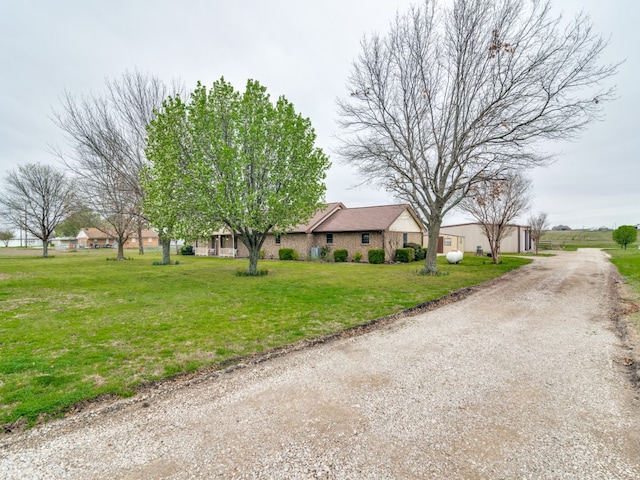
pixel 140 242
pixel 495 250
pixel 166 250
pixel 120 251
pixel 430 265
pixel 45 249
pixel 254 256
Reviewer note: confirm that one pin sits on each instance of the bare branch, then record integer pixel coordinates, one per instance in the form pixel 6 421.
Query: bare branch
pixel 461 92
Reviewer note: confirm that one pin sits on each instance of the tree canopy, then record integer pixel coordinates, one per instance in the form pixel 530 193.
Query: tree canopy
pixel 83 218
pixel 461 92
pixel 624 235
pixel 6 235
pixel 233 159
pixel 495 204
pixel 538 224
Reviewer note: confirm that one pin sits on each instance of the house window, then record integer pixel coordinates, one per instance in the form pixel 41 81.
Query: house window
pixel 329 238
pixel 277 239
pixel 365 239
pixel 133 239
pixel 447 241
pixel 405 239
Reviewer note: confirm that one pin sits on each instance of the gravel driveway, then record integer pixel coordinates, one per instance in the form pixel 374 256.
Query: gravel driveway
pixel 524 379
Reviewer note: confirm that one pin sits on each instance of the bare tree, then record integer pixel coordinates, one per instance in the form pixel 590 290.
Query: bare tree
pixel 538 224
pixel 495 204
pixel 36 198
pixel 108 136
pixel 6 235
pixel 460 92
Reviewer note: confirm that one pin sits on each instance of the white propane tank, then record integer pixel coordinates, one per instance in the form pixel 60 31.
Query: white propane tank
pixel 454 256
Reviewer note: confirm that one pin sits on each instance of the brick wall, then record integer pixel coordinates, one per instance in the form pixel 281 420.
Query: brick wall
pixel 302 243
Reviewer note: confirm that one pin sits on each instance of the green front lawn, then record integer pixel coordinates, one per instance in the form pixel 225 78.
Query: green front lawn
pixel 76 326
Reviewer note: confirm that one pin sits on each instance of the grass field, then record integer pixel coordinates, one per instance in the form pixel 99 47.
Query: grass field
pixel 76 326
pixel 572 239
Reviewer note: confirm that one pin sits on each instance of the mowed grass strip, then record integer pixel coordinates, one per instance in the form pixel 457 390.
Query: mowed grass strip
pixel 75 326
pixel 628 264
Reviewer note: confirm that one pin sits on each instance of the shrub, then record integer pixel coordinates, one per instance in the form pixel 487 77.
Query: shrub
pixel 419 252
pixel 324 252
pixel 376 255
pixel 340 255
pixel 357 257
pixel 246 273
pixel 287 254
pixel 187 250
pixel 405 255
pixel 157 263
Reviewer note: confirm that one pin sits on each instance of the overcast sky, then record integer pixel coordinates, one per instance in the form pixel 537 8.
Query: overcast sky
pixel 302 50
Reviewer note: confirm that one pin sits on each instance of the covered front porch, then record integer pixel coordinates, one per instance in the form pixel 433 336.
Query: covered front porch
pixel 220 244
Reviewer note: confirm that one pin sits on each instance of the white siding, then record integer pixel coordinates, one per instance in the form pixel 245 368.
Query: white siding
pixel 405 223
pixel 514 242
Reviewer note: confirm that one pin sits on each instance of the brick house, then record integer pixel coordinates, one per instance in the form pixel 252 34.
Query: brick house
pixel 96 238
pixel 150 238
pixel 335 226
pixel 355 229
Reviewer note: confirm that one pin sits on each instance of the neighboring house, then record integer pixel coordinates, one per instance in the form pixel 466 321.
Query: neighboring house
pixel 336 227
pixel 149 239
pixel 65 243
pixel 94 238
pixel 518 240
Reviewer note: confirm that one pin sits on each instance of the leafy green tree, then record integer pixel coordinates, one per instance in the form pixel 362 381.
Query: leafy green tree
pixel 84 218
pixel 624 235
pixel 234 159
pixel 6 235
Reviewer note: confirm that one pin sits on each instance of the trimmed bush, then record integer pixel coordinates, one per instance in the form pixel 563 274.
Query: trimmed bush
pixel 287 254
pixel 357 257
pixel 419 252
pixel 405 255
pixel 340 255
pixel 376 255
pixel 246 273
pixel 187 250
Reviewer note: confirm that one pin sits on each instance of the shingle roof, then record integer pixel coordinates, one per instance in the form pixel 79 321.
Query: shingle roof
pixel 99 234
pixel 319 216
pixel 362 219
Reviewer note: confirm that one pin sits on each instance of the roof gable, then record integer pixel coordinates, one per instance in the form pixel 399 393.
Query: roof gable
pixel 364 219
